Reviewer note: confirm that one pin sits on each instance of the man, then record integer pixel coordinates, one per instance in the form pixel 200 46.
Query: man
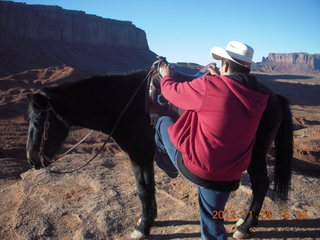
pixel 211 143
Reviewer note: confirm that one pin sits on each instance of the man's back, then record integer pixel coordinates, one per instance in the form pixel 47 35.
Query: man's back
pixel 216 133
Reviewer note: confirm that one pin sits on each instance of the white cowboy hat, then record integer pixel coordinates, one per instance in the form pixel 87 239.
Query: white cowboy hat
pixel 237 52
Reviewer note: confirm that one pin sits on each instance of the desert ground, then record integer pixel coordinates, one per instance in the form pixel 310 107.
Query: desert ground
pixel 99 201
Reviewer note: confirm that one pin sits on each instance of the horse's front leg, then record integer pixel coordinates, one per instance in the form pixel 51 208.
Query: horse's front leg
pixel 144 174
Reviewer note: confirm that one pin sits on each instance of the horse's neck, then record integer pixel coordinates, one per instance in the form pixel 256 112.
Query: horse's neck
pixel 96 105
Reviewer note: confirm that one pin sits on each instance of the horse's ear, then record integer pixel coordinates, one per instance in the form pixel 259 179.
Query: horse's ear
pixel 38 99
pixel 30 97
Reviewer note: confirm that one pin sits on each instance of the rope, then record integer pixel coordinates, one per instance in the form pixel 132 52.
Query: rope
pixel 65 153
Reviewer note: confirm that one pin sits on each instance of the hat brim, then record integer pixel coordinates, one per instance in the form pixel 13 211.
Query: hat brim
pixel 220 53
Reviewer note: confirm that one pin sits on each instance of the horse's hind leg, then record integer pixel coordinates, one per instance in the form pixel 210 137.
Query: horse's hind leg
pixel 259 184
pixel 144 175
pixel 258 173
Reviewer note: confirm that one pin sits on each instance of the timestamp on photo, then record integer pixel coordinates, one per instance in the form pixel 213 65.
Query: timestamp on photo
pixel 264 214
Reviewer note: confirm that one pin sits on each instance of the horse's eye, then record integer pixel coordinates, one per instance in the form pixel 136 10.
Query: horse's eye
pixel 36 123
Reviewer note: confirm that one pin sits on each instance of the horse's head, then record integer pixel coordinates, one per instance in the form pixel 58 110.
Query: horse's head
pixel 47 131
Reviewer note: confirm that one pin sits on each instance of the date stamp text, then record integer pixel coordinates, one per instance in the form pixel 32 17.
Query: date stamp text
pixel 264 214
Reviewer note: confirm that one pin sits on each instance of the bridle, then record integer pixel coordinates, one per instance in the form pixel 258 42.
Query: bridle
pixel 46 126
pixel 45 134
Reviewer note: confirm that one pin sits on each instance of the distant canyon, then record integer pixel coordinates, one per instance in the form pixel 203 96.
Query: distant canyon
pixel 40 36
pixel 296 63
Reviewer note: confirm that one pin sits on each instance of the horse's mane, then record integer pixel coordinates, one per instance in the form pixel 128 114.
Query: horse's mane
pixel 96 96
pixel 97 87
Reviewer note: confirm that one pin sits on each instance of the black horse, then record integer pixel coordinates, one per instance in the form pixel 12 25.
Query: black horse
pixel 96 103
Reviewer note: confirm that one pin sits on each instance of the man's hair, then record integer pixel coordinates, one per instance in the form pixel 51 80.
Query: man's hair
pixel 235 67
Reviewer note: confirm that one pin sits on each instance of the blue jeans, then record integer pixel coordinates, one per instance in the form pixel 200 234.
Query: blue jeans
pixel 210 201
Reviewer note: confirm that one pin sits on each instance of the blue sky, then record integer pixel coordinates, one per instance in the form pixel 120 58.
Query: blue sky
pixel 186 30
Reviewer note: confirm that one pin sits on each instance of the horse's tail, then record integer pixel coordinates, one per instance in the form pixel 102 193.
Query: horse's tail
pixel 284 151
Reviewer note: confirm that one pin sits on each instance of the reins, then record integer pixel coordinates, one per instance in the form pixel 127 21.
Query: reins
pixel 74 146
pixel 47 125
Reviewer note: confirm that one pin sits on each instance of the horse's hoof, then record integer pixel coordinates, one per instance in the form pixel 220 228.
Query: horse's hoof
pixel 137 235
pixel 138 222
pixel 240 235
pixel 240 221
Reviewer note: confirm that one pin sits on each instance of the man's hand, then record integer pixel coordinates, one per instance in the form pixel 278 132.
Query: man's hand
pixel 213 70
pixel 166 70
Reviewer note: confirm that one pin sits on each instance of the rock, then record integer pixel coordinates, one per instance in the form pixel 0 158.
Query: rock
pixel 290 63
pixel 40 22
pixel 38 36
pixel 74 206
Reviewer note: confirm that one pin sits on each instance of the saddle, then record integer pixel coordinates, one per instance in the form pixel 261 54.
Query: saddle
pixel 156 104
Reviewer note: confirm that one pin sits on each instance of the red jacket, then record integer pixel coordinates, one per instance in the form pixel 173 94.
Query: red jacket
pixel 216 133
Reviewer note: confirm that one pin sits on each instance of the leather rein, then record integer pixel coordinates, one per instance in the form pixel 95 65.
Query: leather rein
pixel 45 134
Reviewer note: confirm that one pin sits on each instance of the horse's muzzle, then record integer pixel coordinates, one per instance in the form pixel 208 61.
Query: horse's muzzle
pixel 31 160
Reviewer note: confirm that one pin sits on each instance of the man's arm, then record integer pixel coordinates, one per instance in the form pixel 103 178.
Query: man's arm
pixel 185 95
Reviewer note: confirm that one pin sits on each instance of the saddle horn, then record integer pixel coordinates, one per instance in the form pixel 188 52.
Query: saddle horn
pixel 157 63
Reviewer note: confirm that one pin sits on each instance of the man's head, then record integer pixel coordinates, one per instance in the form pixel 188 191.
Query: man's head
pixel 236 58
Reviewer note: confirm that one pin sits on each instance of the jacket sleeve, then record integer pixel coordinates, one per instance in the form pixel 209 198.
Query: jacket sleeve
pixel 185 95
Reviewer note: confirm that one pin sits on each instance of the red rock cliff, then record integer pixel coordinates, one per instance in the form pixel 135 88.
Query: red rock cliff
pixel 36 36
pixel 291 63
pixel 40 22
